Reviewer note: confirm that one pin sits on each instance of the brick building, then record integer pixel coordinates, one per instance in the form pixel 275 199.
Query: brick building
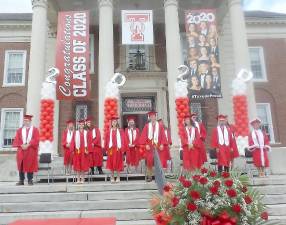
pixel 21 73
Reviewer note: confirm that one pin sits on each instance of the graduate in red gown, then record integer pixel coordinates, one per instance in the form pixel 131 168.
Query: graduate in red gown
pixel 259 145
pixel 191 143
pixel 153 138
pixel 132 136
pixel 203 135
pixel 234 153
pixel 27 143
pixel 165 155
pixel 67 137
pixel 95 148
pixel 222 141
pixel 115 145
pixel 79 146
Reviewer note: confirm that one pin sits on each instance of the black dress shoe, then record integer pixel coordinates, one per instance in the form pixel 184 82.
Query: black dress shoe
pixel 19 183
pixel 30 182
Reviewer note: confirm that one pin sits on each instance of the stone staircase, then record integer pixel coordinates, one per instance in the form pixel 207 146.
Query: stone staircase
pixel 128 201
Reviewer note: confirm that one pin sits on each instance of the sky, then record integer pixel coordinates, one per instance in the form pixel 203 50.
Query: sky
pixel 20 6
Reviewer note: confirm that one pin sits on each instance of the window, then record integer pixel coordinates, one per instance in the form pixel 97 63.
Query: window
pixel 15 68
pixel 257 63
pixel 81 111
pixel 137 58
pixel 197 108
pixel 11 120
pixel 264 113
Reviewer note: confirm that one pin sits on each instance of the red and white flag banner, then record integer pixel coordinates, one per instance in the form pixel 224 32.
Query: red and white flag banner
pixel 72 55
pixel 137 27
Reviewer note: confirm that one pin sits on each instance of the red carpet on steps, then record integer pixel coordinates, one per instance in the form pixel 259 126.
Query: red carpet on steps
pixel 87 221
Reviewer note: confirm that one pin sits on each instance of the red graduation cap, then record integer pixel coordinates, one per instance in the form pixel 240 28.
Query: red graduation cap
pixel 151 113
pixel 114 118
pixel 69 121
pixel 131 118
pixel 28 117
pixel 81 121
pixel 194 114
pixel 221 117
pixel 188 116
pixel 89 119
pixel 256 120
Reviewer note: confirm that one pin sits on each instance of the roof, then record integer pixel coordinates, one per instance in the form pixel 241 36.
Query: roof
pixel 264 15
pixel 16 16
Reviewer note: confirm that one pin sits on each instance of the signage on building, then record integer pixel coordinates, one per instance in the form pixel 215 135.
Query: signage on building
pixel 137 27
pixel 203 54
pixel 72 55
pixel 137 104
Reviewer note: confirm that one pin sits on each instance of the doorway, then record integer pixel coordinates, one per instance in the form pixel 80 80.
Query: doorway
pixel 140 120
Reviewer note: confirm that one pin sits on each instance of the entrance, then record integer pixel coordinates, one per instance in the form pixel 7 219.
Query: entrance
pixel 137 107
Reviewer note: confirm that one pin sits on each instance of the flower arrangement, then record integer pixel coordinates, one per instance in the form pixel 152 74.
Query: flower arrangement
pixel 208 198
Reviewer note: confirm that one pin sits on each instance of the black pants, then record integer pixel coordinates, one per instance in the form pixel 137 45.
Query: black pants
pixel 223 168
pixel 22 175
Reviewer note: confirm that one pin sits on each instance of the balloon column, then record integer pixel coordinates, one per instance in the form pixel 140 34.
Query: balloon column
pixel 48 96
pixel 240 109
pixel 181 95
pixel 111 98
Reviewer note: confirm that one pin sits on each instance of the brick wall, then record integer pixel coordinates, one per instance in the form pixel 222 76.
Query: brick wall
pixel 273 91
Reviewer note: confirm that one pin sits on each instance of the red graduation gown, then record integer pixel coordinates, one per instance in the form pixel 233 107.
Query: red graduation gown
pixel 95 149
pixel 29 157
pixel 67 152
pixel 80 159
pixel 191 157
pixel 224 151
pixel 144 140
pixel 203 135
pixel 256 154
pixel 132 153
pixel 115 160
pixel 234 153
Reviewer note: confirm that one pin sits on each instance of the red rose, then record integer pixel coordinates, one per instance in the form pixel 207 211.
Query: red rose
pixel 244 189
pixel 203 180
pixel 264 215
pixel 236 208
pixel 204 170
pixel 196 177
pixel 182 179
pixel 231 193
pixel 225 175
pixel 187 183
pixel 248 199
pixel 175 201
pixel 162 219
pixel 167 188
pixel 228 183
pixel 216 183
pixel 214 190
pixel 195 195
pixel 192 207
pixel 213 174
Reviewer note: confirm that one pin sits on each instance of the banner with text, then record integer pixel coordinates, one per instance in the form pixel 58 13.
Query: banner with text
pixel 72 55
pixel 137 27
pixel 203 54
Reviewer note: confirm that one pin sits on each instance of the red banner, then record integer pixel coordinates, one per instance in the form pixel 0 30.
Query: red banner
pixel 72 56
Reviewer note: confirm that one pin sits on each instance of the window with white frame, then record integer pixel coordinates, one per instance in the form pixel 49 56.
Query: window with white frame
pixel 11 120
pixel 257 63
pixel 137 58
pixel 264 113
pixel 15 68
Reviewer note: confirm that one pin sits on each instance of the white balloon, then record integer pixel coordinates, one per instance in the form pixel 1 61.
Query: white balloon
pixel 242 144
pixel 112 87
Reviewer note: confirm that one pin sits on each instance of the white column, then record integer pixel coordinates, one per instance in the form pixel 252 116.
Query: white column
pixel 106 53
pixel 240 48
pixel 174 60
pixel 37 58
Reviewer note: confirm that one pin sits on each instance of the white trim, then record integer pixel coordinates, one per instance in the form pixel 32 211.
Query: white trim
pixel 269 118
pixel 7 52
pixel 3 114
pixel 262 62
pixel 91 49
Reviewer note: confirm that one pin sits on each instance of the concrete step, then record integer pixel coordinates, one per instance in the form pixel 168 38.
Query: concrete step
pixel 272 189
pixel 278 220
pixel 126 215
pixel 277 210
pixel 80 196
pixel 274 199
pixel 70 187
pixel 139 222
pixel 74 206
pixel 271 180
